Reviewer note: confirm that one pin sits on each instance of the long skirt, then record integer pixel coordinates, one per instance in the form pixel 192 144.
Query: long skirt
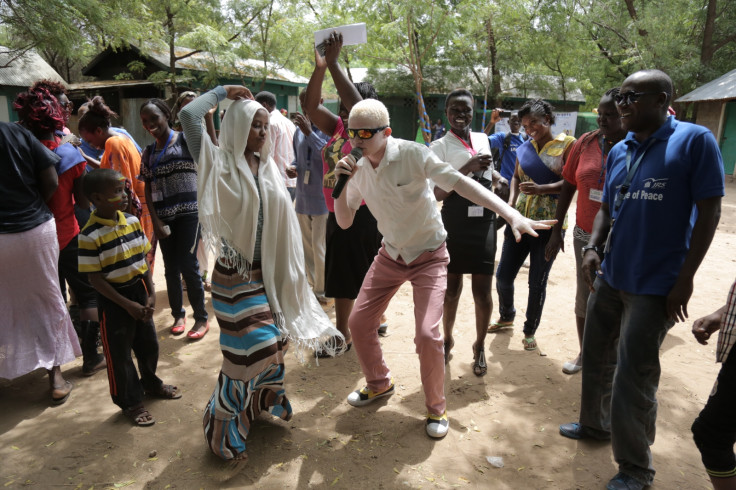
pixel 251 379
pixel 36 330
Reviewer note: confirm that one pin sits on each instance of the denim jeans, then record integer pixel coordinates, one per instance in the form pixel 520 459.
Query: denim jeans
pixel 623 335
pixel 180 261
pixel 513 255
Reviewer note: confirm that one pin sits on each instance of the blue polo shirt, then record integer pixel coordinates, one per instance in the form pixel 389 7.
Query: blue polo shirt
pixel 308 158
pixel 508 162
pixel 651 234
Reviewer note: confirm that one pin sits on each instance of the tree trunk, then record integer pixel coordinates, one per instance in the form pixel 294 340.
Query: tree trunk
pixel 632 12
pixel 706 49
pixel 416 70
pixel 495 68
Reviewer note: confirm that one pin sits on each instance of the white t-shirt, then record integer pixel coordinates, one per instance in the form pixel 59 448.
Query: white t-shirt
pixel 399 197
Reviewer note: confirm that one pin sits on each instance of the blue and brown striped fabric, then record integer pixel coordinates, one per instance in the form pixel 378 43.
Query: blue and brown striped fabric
pixel 252 377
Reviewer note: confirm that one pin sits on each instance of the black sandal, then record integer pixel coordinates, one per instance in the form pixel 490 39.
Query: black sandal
pixel 480 368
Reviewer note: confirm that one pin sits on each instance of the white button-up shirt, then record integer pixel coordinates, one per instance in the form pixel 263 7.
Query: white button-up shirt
pixel 282 143
pixel 399 197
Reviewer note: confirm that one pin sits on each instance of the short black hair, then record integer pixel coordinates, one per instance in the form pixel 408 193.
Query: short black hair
pixel 537 107
pixel 99 180
pixel 458 92
pixel 611 93
pixel 266 98
pixel 366 90
pixel 160 105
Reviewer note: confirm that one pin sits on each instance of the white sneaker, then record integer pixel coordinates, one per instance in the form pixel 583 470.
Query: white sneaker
pixel 437 425
pixel 571 368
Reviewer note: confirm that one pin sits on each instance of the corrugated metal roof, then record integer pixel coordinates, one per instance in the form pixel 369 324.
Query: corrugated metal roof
pixel 719 89
pixel 248 67
pixel 97 84
pixel 25 70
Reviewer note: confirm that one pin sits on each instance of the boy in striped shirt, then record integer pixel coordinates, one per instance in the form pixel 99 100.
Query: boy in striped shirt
pixel 112 251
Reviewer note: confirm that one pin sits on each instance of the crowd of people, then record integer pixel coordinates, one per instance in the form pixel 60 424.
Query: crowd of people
pixel 265 195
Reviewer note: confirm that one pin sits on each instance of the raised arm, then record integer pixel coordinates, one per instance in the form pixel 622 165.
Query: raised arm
pixel 325 120
pixel 191 115
pixel 191 118
pixel 349 95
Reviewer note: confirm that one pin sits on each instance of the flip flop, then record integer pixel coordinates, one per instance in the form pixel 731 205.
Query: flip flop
pixel 480 368
pixel 499 325
pixel 530 343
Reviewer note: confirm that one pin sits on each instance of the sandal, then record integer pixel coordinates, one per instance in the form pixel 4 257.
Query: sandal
pixel 167 392
pixel 480 368
pixel 530 343
pixel 448 347
pixel 139 416
pixel 58 400
pixel 499 325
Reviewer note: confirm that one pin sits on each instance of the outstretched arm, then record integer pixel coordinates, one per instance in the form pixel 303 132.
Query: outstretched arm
pixel 473 191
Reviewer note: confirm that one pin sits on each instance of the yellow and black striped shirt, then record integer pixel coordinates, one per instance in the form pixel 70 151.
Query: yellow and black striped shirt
pixel 117 248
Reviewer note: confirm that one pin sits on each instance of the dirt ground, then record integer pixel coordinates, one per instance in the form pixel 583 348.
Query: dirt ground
pixel 513 412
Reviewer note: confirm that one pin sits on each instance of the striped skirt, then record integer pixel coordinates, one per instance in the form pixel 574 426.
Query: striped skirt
pixel 252 376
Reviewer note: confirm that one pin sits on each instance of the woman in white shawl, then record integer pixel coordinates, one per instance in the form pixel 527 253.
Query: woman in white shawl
pixel 259 291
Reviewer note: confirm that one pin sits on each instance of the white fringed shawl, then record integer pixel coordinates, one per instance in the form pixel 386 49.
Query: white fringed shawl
pixel 228 213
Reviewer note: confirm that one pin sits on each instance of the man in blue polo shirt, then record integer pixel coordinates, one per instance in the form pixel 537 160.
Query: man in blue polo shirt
pixel 661 204
pixel 506 144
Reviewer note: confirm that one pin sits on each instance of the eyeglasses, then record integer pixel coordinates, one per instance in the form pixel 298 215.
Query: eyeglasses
pixel 631 97
pixel 364 134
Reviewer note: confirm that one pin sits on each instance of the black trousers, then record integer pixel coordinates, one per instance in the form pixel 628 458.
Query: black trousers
pixel 122 334
pixel 714 430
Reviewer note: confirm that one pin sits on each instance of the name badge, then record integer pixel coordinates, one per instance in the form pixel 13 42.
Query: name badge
pixel 595 195
pixel 475 211
pixel 306 177
pixel 157 196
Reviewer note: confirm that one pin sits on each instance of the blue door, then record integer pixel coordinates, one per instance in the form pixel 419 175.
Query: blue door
pixel 728 139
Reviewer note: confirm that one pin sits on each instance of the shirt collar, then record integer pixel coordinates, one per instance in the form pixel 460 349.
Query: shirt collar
pixel 662 133
pixel 392 154
pixel 560 137
pixel 119 221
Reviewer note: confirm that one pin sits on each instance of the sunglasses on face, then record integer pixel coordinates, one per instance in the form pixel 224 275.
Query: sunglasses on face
pixel 630 97
pixel 364 134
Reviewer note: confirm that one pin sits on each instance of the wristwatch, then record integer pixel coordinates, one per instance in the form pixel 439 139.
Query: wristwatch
pixel 595 248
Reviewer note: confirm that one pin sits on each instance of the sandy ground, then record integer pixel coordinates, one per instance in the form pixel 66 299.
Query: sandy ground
pixel 513 412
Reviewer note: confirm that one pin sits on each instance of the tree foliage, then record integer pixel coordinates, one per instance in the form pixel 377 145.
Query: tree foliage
pixel 414 47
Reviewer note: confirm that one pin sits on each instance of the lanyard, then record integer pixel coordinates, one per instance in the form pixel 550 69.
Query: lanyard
pixel 467 146
pixel 602 145
pixel 632 170
pixel 160 156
